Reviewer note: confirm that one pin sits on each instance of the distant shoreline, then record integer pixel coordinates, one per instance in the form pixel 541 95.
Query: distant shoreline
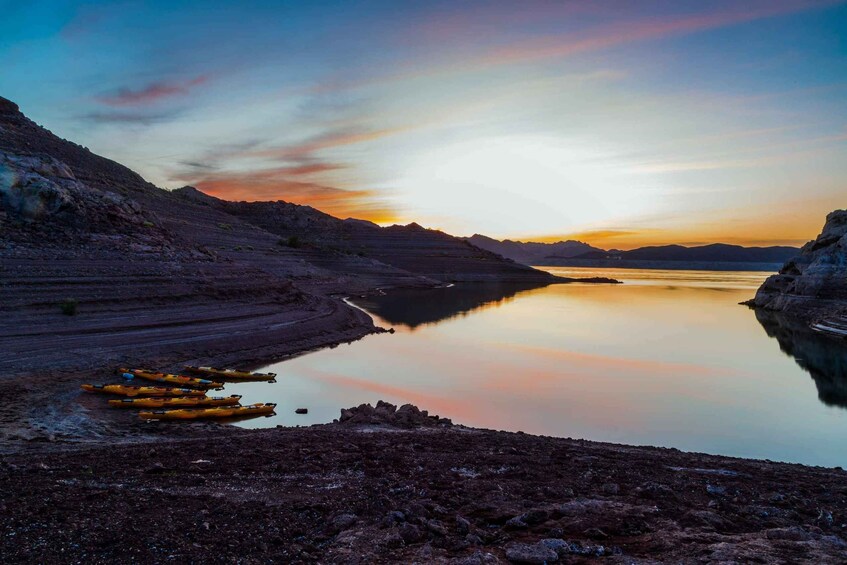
pixel 666 265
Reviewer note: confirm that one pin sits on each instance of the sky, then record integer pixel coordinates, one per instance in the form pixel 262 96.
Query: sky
pixel 618 123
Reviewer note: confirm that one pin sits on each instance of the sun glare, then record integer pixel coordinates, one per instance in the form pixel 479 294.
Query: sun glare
pixel 560 184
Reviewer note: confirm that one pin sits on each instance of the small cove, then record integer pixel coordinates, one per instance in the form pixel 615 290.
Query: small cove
pixel 669 359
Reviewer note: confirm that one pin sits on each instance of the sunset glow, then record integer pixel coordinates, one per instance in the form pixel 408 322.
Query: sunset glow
pixel 617 123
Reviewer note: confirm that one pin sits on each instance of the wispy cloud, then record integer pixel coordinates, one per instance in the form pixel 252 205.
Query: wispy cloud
pixel 128 118
pixel 295 172
pixel 151 93
pixel 560 46
pixel 641 30
pixel 328 140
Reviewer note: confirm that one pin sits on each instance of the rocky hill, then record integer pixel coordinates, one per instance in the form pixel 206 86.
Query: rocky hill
pixel 96 261
pixel 413 249
pixel 813 284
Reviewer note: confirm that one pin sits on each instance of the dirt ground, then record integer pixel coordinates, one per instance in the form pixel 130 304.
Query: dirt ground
pixel 362 493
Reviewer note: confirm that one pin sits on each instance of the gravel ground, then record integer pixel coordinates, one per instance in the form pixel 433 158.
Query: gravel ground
pixel 365 493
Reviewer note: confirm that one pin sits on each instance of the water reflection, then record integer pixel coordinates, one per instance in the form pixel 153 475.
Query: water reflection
pixel 824 358
pixel 416 307
pixel 664 359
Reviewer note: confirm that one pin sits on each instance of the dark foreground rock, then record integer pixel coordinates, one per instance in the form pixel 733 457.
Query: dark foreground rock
pixel 347 493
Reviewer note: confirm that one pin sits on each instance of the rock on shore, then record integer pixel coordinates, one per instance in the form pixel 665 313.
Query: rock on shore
pixel 407 416
pixel 814 283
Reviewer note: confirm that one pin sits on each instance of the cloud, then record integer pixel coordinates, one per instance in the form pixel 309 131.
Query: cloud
pixel 328 140
pixel 277 184
pixel 195 166
pixel 630 32
pixel 293 173
pixel 151 93
pixel 590 236
pixel 138 118
pixel 311 168
pixel 559 46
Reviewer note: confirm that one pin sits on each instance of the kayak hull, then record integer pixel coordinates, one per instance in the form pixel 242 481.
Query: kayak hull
pixel 231 374
pixel 168 378
pixel 175 402
pixel 210 413
pixel 132 390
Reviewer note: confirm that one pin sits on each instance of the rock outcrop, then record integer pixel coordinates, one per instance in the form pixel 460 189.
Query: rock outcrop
pixel 386 414
pixel 813 284
pixel 39 188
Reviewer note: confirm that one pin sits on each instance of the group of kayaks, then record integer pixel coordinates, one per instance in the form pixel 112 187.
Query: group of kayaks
pixel 188 401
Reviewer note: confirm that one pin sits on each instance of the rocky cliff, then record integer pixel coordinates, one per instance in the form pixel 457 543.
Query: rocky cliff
pixel 812 285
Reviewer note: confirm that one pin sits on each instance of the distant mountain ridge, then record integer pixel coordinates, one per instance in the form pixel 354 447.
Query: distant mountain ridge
pixel 577 253
pixel 722 252
pixel 531 252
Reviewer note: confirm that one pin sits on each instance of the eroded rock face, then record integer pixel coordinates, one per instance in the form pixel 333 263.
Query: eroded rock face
pixel 36 188
pixel 814 283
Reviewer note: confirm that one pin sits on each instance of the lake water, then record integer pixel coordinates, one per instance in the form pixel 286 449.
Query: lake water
pixel 669 358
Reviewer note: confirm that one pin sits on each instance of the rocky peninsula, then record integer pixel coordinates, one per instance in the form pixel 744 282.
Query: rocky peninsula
pixel 812 286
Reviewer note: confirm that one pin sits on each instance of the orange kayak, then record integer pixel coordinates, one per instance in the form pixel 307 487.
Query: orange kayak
pixel 128 390
pixel 231 374
pixel 172 379
pixel 176 401
pixel 204 413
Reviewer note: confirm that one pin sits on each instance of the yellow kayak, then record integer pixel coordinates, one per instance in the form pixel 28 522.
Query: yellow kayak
pixel 131 390
pixel 203 413
pixel 172 379
pixel 176 401
pixel 231 374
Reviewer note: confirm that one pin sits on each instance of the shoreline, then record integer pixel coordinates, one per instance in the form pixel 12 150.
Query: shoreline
pixel 341 493
pixel 378 493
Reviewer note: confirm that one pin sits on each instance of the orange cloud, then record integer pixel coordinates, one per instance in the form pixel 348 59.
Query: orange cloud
pixel 297 181
pixel 275 184
pixel 605 238
pixel 786 223
pixel 151 93
pixel 326 141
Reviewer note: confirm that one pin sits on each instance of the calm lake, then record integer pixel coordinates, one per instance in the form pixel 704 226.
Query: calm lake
pixel 669 358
